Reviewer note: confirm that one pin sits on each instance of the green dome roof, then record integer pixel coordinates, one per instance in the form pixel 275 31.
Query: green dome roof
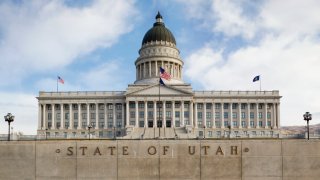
pixel 158 32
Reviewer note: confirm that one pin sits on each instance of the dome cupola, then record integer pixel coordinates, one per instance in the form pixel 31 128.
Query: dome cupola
pixel 158 32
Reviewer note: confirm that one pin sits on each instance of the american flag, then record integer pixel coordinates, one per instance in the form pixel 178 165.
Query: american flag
pixel 164 74
pixel 60 80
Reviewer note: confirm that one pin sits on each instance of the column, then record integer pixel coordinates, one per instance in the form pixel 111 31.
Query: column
pixel 114 114
pixel 122 115
pixel 213 115
pixel 127 113
pixel 71 118
pixel 182 114
pixel 88 114
pixel 156 68
pixel 274 116
pixel 140 65
pixel 154 113
pixel 97 116
pixel 265 116
pixel 257 116
pixel 79 116
pixel 62 116
pixel 195 115
pixel 231 115
pixel 278 115
pixel 222 115
pixel 150 69
pixel 204 114
pixel 240 118
pixel 105 115
pixel 173 114
pixel 163 113
pixel 137 114
pixel 145 113
pixel 191 113
pixel 248 116
pixel 45 122
pixel 40 124
pixel 53 125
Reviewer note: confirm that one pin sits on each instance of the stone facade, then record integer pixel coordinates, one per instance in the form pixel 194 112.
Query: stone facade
pixel 177 110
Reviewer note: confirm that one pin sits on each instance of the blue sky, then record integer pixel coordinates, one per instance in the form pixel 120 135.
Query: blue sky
pixel 92 45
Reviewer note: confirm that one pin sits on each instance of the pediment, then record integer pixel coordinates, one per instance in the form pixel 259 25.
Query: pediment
pixel 164 90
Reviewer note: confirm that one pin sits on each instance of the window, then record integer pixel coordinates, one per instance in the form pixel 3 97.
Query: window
pixel 66 125
pixel 177 105
pixel 110 106
pixel 251 115
pixel 84 124
pixel 66 107
pixel 141 114
pixel 168 105
pixel 186 114
pixel 260 106
pixel 101 115
pixel 251 123
pixel 200 106
pixel 48 107
pixel 260 123
pixel 199 115
pixel 208 115
pixel 119 106
pixel 234 105
pixel 234 115
pixel 132 114
pixel 150 105
pixel 251 106
pixel 243 106
pixel 269 115
pixel 75 125
pixel 49 116
pixel 208 106
pixel 141 105
pixel 75 115
pixel 177 114
pixel 119 124
pixel 243 115
pixel 66 115
pixel 210 133
pixel 92 115
pixel 209 125
pixel 119 115
pixel 226 106
pixel 235 123
pixel 243 124
pixel 217 106
pixel 84 115
pixel 58 125
pixel 58 116
pixel 83 106
pixel 217 115
pixel 101 106
pixel 225 115
pixel 168 114
pixel 186 105
pixel 260 115
pixel 92 106
pixel 269 123
pixel 150 114
pixel 218 124
pixel 110 115
pixel 110 124
pixel 75 106
pixel 226 123
pixel 57 107
pixel 132 105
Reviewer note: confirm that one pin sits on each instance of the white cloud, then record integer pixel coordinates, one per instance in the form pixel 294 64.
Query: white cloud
pixel 286 54
pixel 24 108
pixel 45 35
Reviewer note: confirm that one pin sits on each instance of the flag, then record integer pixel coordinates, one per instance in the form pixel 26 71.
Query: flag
pixel 60 80
pixel 161 82
pixel 164 74
pixel 257 78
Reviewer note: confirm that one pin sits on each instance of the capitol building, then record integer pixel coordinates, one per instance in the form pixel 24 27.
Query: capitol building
pixel 147 110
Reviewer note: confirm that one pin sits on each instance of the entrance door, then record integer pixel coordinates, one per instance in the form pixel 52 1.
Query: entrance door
pixel 150 124
pixel 159 124
pixel 168 123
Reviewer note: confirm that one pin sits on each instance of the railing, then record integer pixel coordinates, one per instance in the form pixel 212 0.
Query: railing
pixel 236 93
pixel 81 93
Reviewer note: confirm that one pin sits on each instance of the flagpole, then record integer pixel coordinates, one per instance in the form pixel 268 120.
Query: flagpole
pixel 159 109
pixel 57 85
pixel 260 82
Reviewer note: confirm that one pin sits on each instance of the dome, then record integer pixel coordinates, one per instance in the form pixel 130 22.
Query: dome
pixel 158 32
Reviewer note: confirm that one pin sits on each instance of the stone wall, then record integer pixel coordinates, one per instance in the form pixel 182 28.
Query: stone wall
pixel 161 159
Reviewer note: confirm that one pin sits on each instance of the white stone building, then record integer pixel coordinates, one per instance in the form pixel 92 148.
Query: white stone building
pixel 138 113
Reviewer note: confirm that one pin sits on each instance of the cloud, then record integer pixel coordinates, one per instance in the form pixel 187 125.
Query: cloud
pixel 37 36
pixel 24 108
pixel 282 46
